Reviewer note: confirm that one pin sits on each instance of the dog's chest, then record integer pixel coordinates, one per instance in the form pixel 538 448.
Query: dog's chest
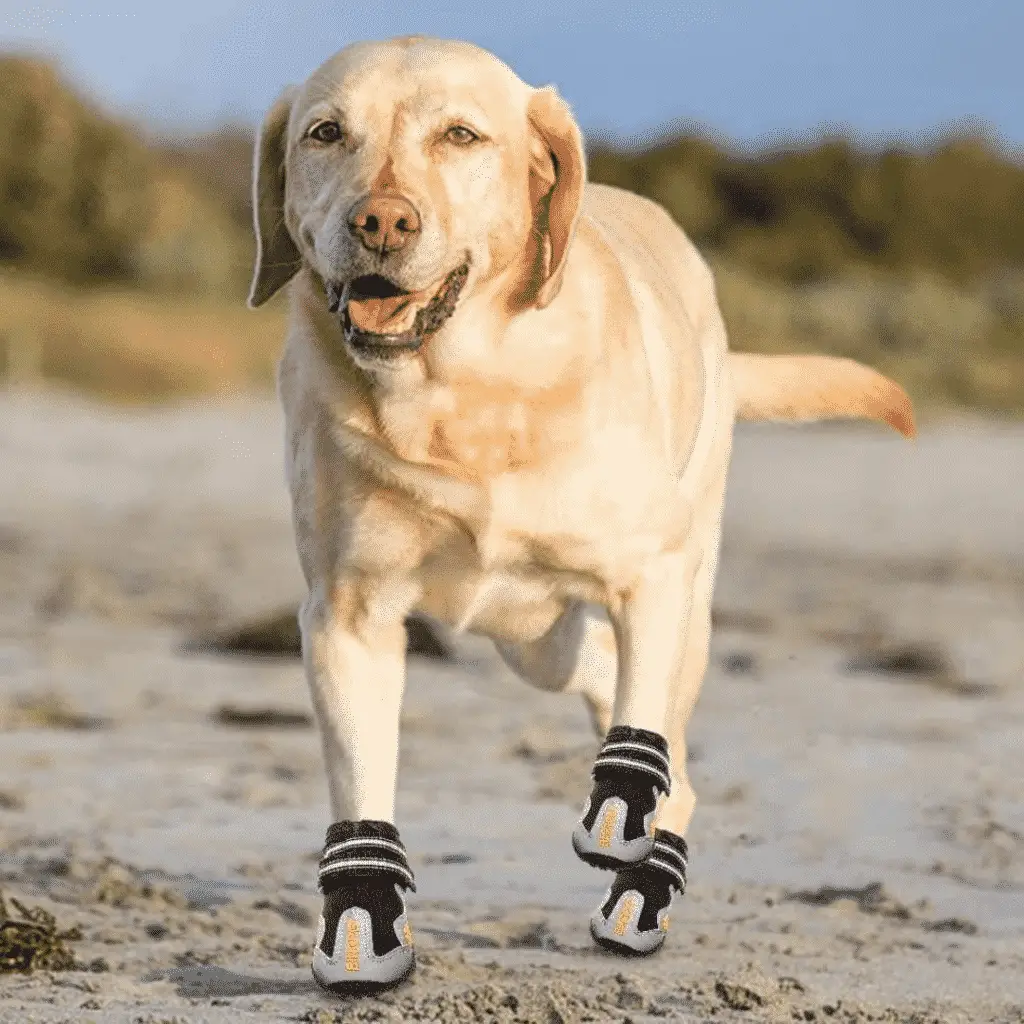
pixel 507 604
pixel 478 428
pixel 545 539
pixel 506 506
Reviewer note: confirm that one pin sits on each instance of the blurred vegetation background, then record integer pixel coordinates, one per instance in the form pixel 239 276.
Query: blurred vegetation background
pixel 124 259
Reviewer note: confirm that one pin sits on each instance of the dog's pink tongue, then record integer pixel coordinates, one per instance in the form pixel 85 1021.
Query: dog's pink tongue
pixel 394 315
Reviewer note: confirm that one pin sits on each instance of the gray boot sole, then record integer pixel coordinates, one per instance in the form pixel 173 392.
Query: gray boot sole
pixel 603 846
pixel 619 934
pixel 355 968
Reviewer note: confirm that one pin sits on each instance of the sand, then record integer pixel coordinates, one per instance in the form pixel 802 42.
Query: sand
pixel 857 852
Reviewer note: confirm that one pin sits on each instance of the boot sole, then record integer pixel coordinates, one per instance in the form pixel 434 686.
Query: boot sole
pixel 620 950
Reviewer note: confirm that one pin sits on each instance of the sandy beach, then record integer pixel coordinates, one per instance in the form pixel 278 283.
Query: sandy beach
pixel 858 848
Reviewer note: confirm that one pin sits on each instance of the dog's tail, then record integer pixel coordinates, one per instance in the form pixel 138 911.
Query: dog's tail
pixel 805 388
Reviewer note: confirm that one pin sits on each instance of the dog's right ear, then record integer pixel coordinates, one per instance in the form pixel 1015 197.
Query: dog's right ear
pixel 277 258
pixel 558 168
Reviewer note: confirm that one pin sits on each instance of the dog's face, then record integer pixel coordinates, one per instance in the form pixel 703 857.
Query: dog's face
pixel 408 175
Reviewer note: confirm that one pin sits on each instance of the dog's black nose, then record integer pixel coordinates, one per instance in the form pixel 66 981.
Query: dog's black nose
pixel 384 223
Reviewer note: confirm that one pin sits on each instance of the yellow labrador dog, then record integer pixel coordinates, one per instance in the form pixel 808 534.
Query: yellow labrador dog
pixel 509 405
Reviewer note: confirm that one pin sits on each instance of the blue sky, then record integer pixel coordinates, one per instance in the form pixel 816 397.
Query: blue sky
pixel 755 71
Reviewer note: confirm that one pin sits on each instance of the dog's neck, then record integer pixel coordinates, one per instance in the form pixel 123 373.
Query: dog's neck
pixel 463 404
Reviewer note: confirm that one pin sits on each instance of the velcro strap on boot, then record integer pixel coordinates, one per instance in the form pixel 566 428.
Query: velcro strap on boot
pixel 670 856
pixel 363 849
pixel 633 756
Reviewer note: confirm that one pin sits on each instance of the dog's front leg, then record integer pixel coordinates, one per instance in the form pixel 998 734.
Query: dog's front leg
pixel 353 643
pixel 633 773
pixel 354 656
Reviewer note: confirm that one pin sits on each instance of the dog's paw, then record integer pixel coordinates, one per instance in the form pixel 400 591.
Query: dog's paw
pixel 633 920
pixel 631 778
pixel 363 943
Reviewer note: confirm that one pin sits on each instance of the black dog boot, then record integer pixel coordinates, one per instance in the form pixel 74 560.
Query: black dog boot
pixel 633 919
pixel 631 778
pixel 363 941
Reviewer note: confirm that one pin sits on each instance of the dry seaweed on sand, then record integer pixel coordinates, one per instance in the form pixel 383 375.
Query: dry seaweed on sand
pixel 31 941
pixel 260 718
pixel 871 899
pixel 278 636
pixel 914 662
pixel 49 710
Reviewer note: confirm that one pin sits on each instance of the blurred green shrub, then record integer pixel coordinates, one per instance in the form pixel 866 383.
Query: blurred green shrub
pixel 911 260
pixel 805 215
pixel 84 199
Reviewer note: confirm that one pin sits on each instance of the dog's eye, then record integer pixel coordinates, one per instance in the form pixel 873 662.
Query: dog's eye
pixel 326 131
pixel 460 135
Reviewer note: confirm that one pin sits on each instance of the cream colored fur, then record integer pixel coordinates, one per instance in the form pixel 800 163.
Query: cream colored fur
pixel 549 470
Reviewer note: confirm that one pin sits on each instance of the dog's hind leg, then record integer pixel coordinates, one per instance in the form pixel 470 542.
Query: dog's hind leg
pixel 576 655
pixel 633 917
pixel 631 774
pixel 646 724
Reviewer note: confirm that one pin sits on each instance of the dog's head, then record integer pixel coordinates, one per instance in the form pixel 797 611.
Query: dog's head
pixel 408 175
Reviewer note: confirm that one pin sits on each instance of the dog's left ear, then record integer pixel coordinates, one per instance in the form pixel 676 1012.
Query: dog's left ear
pixel 557 173
pixel 277 258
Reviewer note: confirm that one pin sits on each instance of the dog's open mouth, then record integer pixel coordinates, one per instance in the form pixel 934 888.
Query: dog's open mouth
pixel 384 321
